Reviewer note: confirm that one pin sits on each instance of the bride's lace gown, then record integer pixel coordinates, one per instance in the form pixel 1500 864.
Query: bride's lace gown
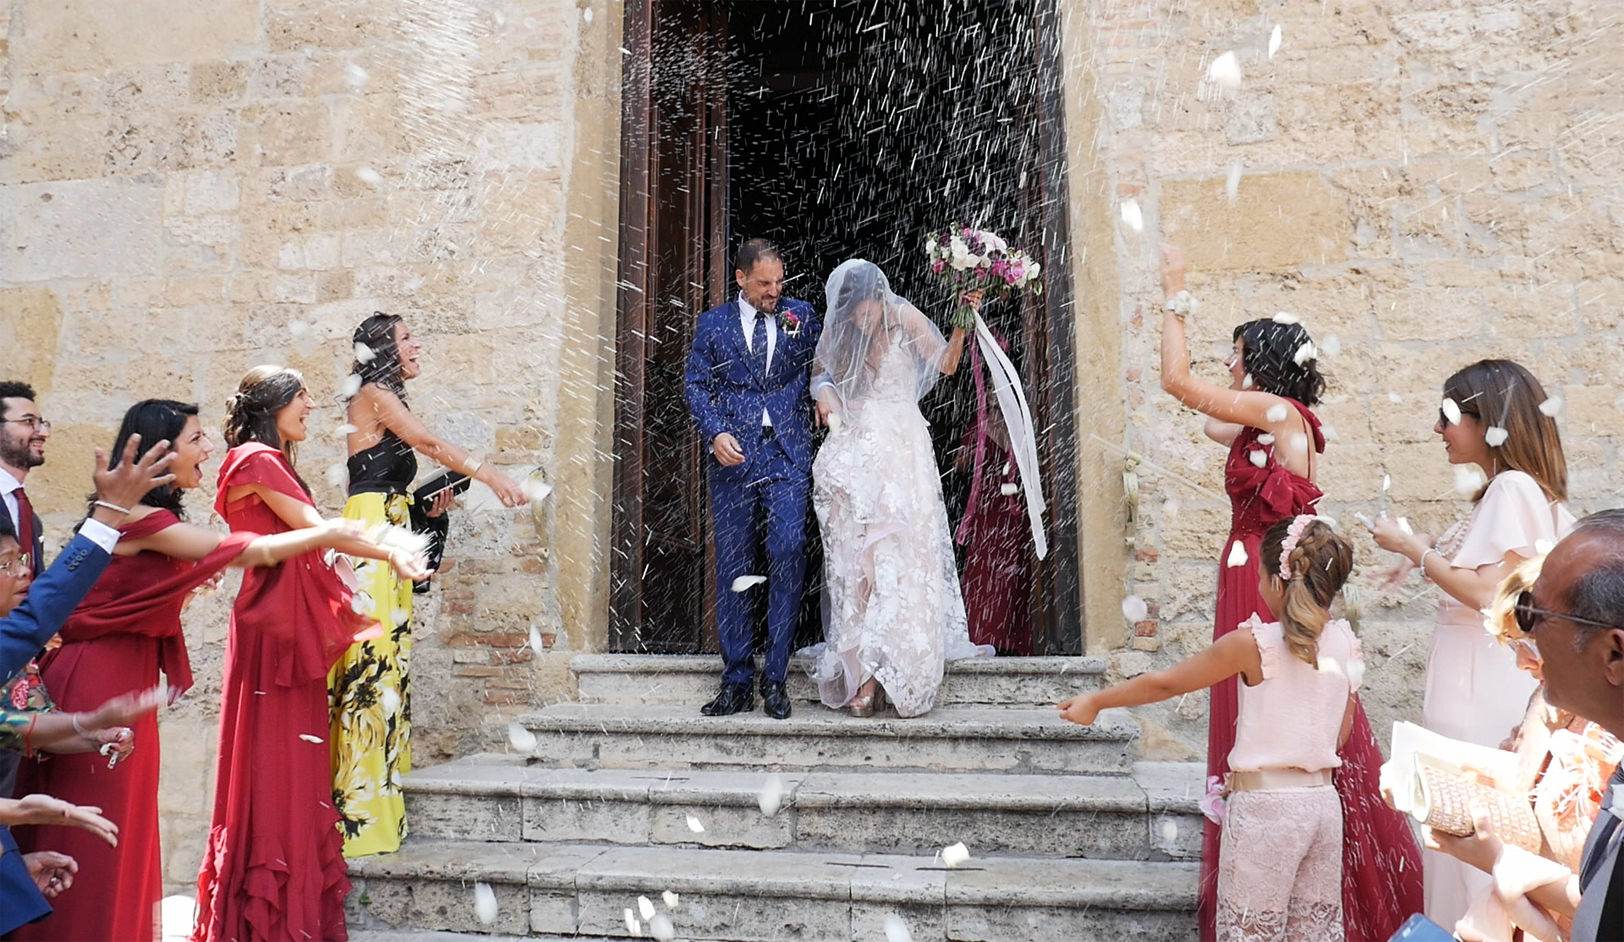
pixel 893 608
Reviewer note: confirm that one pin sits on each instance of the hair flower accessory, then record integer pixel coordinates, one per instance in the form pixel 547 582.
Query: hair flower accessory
pixel 1294 533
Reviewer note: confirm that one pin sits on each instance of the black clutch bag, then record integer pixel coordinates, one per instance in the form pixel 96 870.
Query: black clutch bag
pixel 450 479
pixel 435 528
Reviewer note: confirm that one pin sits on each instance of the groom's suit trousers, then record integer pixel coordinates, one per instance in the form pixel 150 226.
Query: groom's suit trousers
pixel 762 515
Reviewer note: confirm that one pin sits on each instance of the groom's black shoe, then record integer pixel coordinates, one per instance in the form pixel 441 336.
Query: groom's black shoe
pixel 774 700
pixel 733 698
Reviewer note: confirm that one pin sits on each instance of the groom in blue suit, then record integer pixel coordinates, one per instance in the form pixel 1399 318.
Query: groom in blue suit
pixel 747 382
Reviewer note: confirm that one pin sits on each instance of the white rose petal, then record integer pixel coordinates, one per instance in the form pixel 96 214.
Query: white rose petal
pixel 369 176
pixel 772 795
pixel 1287 318
pixel 1543 546
pixel 1170 830
pixel 485 903
pixel 356 76
pixel 1277 412
pixel 391 701
pixel 1171 507
pixel 343 430
pixel 1135 609
pixel 1387 481
pixel 1356 672
pixel 955 854
pixel 1394 397
pixel 361 603
pixel 1299 442
pixel 364 354
pixel 536 643
pixel 1265 439
pixel 1237 555
pixel 1247 382
pixel 1329 431
pixel 1274 40
pixel 745 583
pixel 1333 345
pixel 1232 184
pixel 671 899
pixel 521 739
pixel 1225 71
pixel 645 907
pixel 1451 410
pixel 400 616
pixel 1329 665
pixel 1305 353
pixel 350 386
pixel 695 826
pixel 298 328
pixel 896 930
pixel 586 15
pixel 659 926
pixel 633 924
pixel 1132 216
pixel 1468 479
pixel 337 474
pixel 1495 436
pixel 1258 457
pixel 309 738
pixel 1404 524
pixel 1551 406
pixel 1009 489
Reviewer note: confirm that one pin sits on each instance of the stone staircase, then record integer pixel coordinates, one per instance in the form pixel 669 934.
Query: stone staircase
pixel 631 793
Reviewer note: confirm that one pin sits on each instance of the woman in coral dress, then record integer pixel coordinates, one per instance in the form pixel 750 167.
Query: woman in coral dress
pixel 125 632
pixel 274 868
pixel 1274 443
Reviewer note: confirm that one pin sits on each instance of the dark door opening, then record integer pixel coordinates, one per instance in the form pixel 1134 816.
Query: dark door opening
pixel 837 128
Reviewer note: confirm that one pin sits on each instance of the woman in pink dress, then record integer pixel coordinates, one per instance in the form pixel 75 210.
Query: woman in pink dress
pixel 1274 443
pixel 274 868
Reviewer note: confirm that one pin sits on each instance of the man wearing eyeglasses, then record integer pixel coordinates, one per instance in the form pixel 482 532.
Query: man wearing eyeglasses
pixel 22 447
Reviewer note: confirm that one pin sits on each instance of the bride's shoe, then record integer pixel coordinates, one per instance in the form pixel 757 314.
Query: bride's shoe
pixel 863 707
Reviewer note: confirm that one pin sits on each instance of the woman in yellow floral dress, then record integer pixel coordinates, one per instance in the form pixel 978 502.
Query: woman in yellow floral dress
pixel 369 688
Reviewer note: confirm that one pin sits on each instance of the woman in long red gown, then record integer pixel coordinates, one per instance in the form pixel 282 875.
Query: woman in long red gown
pixel 274 869
pixel 117 641
pixel 1274 441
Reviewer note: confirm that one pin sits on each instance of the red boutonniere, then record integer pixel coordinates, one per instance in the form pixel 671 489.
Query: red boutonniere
pixel 789 323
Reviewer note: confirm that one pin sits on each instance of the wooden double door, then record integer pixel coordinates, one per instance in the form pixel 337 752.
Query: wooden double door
pixel 838 129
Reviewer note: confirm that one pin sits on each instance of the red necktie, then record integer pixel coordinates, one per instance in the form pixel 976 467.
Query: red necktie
pixel 25 527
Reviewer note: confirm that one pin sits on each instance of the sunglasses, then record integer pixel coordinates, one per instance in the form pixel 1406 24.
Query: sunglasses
pixel 1443 419
pixel 1529 617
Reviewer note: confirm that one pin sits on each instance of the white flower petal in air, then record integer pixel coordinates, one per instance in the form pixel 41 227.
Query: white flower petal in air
pixel 1305 353
pixel 400 616
pixel 364 354
pixel 633 924
pixel 896 930
pixel 1404 524
pixel 659 926
pixel 337 474
pixel 1225 71
pixel 355 76
pixel 955 854
pixel 1132 216
pixel 772 795
pixel 1237 555
pixel 1495 436
pixel 1247 382
pixel 1287 318
pixel 485 903
pixel 1394 397
pixel 1171 507
pixel 1330 665
pixel 1543 546
pixel 1387 482
pixel 1232 184
pixel 298 328
pixel 586 15
pixel 535 489
pixel 369 176
pixel 1277 412
pixel 1265 439
pixel 671 899
pixel 1009 489
pixel 1274 40
pixel 1356 672
pixel 1551 406
pixel 1468 479
pixel 351 385
pixel 1451 410
pixel 536 643
pixel 1299 442
pixel 309 738
pixel 1333 345
pixel 391 701
pixel 1258 457
pixel 1170 830
pixel 361 603
pixel 521 739
pixel 746 583
pixel 1329 431
pixel 645 907
pixel 695 826
pixel 1134 609
pixel 343 430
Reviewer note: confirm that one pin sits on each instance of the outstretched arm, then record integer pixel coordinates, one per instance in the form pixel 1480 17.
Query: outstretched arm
pixel 375 402
pixel 1234 653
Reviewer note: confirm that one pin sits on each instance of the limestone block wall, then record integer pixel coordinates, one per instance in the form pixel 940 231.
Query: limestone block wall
pixel 193 188
pixel 1424 184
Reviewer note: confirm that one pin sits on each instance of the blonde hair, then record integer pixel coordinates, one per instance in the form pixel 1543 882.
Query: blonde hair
pixel 1320 563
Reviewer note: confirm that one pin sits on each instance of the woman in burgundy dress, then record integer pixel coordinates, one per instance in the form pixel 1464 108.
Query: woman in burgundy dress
pixel 116 642
pixel 274 869
pixel 1274 443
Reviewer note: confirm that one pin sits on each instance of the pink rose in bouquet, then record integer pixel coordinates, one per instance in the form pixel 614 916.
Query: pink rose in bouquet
pixel 969 259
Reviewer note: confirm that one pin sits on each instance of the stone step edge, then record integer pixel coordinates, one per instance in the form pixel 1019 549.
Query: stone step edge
pixel 1159 788
pixel 946 722
pixel 712 664
pixel 1074 883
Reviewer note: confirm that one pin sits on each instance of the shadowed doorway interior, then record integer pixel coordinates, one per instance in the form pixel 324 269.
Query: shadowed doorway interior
pixel 837 129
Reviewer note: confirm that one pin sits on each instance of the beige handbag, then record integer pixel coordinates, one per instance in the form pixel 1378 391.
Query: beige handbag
pixel 1444 796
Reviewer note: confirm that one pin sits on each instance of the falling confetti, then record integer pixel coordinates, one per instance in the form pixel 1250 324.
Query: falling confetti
pixel 1287 318
pixel 1299 442
pixel 1305 353
pixel 746 583
pixel 298 328
pixel 586 15
pixel 1135 609
pixel 671 899
pixel 772 795
pixel 1332 346
pixel 955 854
pixel 1551 406
pixel 1258 457
pixel 521 739
pixel 369 176
pixel 695 826
pixel 1387 481
pixel 356 77
pixel 1225 72
pixel 1468 479
pixel 1009 489
pixel 485 903
pixel 1265 439
pixel 1132 216
pixel 896 930
pixel 633 924
pixel 363 353
pixel 337 474
pixel 1356 672
pixel 309 738
pixel 536 643
pixel 1237 555
pixel 659 925
pixel 1170 830
pixel 1247 381
pixel 351 386
pixel 1543 546
pixel 1451 410
pixel 1274 40
pixel 1171 507
pixel 1394 397
pixel 1277 412
pixel 1495 436
pixel 1232 185
pixel 361 603
pixel 400 616
pixel 344 430
pixel 645 907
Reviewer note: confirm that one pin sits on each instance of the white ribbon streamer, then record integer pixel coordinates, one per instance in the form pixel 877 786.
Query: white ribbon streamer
pixel 1011 397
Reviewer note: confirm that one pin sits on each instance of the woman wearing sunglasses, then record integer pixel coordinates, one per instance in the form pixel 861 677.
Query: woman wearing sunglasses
pixel 1490 417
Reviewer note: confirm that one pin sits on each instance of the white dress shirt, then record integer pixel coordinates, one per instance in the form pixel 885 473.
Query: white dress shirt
pixel 8 488
pixel 97 532
pixel 747 323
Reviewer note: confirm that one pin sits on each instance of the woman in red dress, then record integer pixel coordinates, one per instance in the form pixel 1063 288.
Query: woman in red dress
pixel 1274 441
pixel 274 868
pixel 117 641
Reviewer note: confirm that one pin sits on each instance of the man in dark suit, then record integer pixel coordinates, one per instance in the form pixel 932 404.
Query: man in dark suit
pixel 22 447
pixel 747 381
pixel 51 599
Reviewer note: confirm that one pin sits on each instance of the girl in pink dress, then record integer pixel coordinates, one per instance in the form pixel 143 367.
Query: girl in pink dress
pixel 1274 442
pixel 1281 876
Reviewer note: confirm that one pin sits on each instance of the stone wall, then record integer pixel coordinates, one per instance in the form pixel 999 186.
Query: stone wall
pixel 191 189
pixel 1424 184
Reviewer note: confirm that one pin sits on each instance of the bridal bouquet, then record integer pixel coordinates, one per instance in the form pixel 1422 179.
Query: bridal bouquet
pixel 968 259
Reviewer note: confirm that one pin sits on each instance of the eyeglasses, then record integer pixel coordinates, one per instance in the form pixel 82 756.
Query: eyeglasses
pixel 1529 617
pixel 32 421
pixel 16 567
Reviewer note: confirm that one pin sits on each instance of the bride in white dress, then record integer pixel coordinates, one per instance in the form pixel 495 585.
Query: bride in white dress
pixel 892 610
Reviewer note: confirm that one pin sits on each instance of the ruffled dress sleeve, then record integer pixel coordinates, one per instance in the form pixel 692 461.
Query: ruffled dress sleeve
pixel 1270 644
pixel 1513 516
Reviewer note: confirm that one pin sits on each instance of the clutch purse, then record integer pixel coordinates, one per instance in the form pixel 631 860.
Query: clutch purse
pixel 1443 797
pixel 433 486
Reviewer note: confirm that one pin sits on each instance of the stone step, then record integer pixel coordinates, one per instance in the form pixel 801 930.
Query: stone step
pixel 1149 815
pixel 692 679
pixel 756 896
pixel 952 739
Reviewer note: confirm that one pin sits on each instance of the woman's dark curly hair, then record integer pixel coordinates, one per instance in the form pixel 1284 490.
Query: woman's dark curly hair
pixel 1269 350
pixel 377 333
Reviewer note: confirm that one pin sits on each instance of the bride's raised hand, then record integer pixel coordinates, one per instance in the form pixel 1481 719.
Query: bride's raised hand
pixel 973 298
